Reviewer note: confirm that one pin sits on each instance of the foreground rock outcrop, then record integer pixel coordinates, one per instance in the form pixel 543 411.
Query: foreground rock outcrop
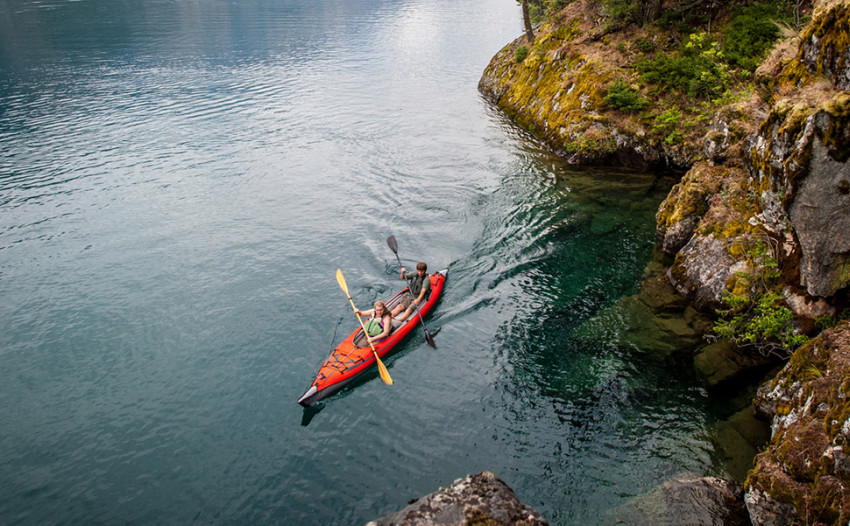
pixel 803 477
pixel 475 500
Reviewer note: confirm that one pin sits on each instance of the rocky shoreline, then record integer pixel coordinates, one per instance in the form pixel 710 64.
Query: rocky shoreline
pixel 764 199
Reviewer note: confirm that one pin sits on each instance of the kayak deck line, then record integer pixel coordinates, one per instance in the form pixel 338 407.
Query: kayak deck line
pixel 348 361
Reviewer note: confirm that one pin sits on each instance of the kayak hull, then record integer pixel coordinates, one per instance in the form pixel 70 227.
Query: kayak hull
pixel 347 361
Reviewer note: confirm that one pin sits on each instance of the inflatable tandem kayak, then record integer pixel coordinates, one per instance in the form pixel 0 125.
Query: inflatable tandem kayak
pixel 348 361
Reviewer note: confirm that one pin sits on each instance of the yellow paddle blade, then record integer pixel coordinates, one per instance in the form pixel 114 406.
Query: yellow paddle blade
pixel 341 280
pixel 382 370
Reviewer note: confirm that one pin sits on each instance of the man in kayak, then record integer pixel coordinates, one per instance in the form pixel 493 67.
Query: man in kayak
pixel 378 326
pixel 420 287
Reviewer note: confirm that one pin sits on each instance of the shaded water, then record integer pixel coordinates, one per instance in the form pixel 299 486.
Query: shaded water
pixel 179 182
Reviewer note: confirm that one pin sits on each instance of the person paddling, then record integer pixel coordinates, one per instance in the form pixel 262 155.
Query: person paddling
pixel 378 326
pixel 419 288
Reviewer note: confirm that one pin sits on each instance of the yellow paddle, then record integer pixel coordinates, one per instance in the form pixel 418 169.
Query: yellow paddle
pixel 382 369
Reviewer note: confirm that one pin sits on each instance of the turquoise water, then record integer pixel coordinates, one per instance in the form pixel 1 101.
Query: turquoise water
pixel 180 180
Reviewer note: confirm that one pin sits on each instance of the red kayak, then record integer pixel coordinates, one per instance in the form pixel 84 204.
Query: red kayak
pixel 348 361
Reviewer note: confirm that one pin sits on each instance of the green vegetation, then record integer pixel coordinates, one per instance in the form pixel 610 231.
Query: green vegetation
pixel 622 97
pixel 752 31
pixel 521 53
pixel 827 322
pixel 621 13
pixel 756 314
pixel 667 124
pixel 645 45
pixel 705 65
pixel 540 9
pixel 592 142
pixel 697 69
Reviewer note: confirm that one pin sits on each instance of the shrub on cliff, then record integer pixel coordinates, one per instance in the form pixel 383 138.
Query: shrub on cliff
pixel 752 31
pixel 621 97
pixel 521 53
pixel 756 315
pixel 697 69
pixel 621 13
pixel 539 10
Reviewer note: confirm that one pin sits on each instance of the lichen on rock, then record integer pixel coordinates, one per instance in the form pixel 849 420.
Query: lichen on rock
pixel 475 500
pixel 801 155
pixel 825 43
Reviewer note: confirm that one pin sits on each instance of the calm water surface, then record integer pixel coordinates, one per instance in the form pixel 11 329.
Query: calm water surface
pixel 180 180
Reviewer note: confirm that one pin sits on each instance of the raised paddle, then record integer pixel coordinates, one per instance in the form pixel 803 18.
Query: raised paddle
pixel 382 369
pixel 393 244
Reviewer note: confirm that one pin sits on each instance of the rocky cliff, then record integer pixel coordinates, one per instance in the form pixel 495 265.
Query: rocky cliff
pixel 758 227
pixel 790 185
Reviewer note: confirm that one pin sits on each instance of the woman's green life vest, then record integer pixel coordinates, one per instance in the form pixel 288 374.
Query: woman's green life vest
pixel 373 327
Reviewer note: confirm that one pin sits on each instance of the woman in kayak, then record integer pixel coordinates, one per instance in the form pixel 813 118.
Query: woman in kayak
pixel 381 320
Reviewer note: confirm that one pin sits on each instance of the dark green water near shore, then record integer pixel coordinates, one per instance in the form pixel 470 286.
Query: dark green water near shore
pixel 179 182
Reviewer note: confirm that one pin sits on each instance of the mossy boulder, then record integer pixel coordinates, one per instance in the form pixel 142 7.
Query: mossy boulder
pixel 824 46
pixel 805 469
pixel 686 209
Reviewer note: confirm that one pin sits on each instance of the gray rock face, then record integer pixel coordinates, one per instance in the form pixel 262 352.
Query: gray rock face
pixel 806 306
pixel 717 140
pixel 820 213
pixel 764 511
pixel 678 235
pixel 832 58
pixel 474 499
pixel 704 266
